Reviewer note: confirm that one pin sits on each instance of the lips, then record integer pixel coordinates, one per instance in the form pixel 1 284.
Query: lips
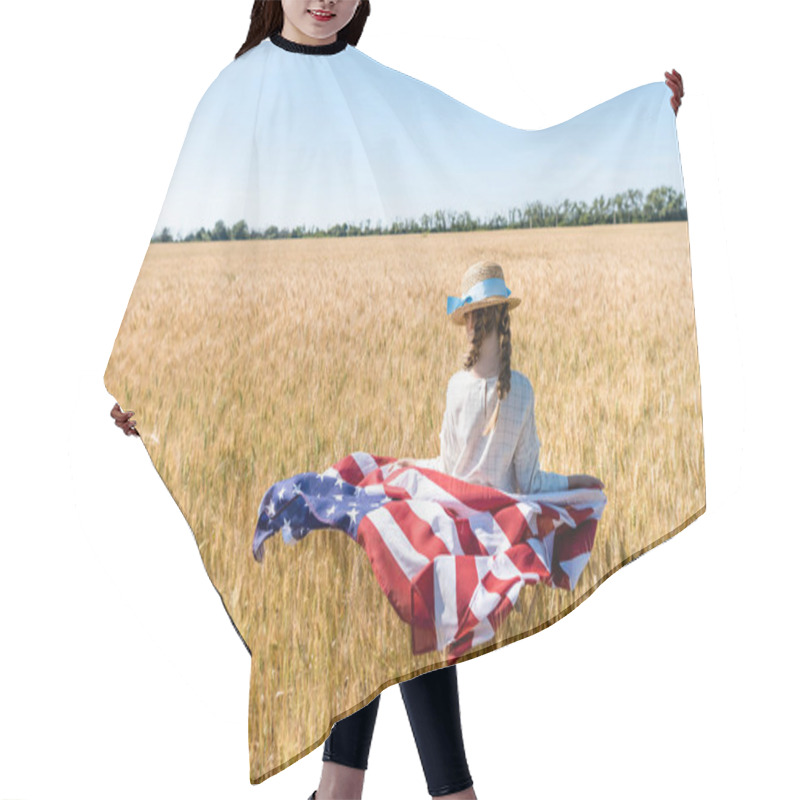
pixel 321 15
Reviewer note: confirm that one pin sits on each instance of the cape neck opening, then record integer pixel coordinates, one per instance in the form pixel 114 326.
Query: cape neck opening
pixel 308 49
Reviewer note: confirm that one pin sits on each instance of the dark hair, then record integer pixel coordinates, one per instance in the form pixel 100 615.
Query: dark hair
pixel 487 319
pixel 266 18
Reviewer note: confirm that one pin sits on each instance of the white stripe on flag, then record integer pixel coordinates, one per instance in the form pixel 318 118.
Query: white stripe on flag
pixel 421 487
pixel 445 595
pixel 483 602
pixel 441 523
pixel 597 508
pixel 574 566
pixel 405 555
pixel 532 510
pixel 486 530
pixel 540 548
pixel 366 463
pixel 544 548
pixel 482 632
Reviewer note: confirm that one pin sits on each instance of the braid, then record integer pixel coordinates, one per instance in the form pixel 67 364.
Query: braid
pixel 483 325
pixel 486 320
pixel 504 329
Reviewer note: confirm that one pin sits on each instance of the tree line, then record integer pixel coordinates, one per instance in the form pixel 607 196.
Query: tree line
pixel 659 205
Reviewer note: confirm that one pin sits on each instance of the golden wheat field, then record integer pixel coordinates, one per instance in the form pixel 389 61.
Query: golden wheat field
pixel 248 362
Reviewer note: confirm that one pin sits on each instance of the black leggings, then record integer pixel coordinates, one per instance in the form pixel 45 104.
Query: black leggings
pixel 432 706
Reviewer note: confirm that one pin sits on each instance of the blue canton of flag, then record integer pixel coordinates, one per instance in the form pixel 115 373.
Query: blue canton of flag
pixel 310 501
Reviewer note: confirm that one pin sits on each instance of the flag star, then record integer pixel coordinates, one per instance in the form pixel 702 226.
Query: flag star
pixel 331 511
pixel 295 488
pixel 271 509
pixel 352 514
pixel 281 493
pixel 286 530
pixel 339 497
pixel 339 481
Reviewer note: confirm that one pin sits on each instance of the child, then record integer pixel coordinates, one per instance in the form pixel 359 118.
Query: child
pixel 488 435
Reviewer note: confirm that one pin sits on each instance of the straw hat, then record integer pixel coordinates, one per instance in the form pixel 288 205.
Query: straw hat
pixel 483 285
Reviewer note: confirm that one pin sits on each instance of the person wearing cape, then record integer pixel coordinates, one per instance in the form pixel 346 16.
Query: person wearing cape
pixel 301 147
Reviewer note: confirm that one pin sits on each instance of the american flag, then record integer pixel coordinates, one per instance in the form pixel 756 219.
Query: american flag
pixel 451 556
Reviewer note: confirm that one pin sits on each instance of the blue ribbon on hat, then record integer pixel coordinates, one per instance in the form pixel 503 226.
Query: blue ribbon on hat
pixel 491 287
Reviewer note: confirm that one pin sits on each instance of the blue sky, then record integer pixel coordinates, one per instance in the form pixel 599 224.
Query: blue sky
pixel 287 139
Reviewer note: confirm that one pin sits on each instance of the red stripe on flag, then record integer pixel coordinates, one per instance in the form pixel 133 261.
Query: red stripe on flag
pixel 500 612
pixel 571 542
pixel 390 576
pixel 514 524
pixel 374 477
pixel 470 543
pixel 458 648
pixel 498 585
pixel 423 612
pixel 415 599
pixel 417 530
pixel 579 514
pixel 464 637
pixel 466 582
pixel 545 524
pixel 526 560
pixel 349 470
pixel 396 492
pixel 480 498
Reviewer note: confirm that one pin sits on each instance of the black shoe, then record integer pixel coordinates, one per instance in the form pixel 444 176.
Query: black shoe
pixel 313 795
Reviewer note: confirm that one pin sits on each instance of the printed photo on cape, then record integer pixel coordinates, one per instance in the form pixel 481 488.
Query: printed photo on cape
pixel 288 342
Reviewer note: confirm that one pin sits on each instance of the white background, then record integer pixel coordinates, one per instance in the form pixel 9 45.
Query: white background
pixel 120 674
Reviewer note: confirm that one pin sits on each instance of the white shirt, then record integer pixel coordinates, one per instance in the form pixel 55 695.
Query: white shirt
pixel 505 459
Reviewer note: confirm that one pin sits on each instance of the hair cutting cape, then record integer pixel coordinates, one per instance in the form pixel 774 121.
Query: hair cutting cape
pixel 287 341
